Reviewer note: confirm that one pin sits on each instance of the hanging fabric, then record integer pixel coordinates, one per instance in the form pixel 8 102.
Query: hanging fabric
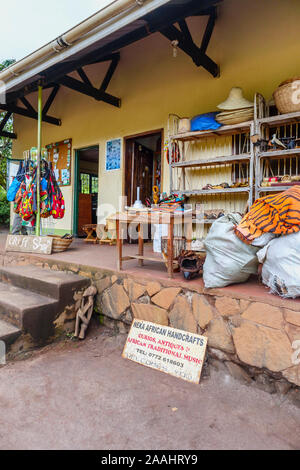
pixel 56 198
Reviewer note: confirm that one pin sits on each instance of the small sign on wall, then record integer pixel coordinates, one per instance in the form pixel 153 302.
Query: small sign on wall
pixel 113 155
pixel 169 350
pixel 29 244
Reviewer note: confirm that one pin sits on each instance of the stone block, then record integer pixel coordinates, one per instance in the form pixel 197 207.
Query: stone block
pixel 219 336
pixel 293 332
pixel 202 310
pixel 181 315
pixel 293 374
pixel 244 304
pixel 134 289
pixel 292 317
pixel 114 301
pixel 217 354
pixel 238 372
pixel 153 288
pixel 227 306
pixel 166 297
pixel 262 347
pixel 102 284
pixel 150 313
pixel 264 314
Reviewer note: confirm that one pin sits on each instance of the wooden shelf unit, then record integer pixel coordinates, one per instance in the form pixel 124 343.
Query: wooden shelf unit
pixel 288 124
pixel 243 128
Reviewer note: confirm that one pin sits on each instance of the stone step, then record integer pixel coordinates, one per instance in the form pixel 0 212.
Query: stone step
pixel 30 311
pixel 8 333
pixel 55 284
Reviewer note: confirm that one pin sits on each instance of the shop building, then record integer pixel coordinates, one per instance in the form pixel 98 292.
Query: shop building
pixel 145 83
pixel 109 89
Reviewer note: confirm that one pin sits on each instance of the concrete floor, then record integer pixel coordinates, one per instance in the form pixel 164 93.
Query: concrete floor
pixel 83 395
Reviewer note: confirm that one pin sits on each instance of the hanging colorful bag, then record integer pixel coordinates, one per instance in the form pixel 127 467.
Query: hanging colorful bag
pixel 56 198
pixel 26 208
pixel 16 183
pixel 18 198
pixel 45 204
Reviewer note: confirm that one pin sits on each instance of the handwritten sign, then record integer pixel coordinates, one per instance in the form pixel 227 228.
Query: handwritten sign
pixel 169 350
pixel 29 244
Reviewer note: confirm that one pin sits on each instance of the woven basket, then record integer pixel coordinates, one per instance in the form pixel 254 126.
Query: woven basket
pixel 60 244
pixel 287 97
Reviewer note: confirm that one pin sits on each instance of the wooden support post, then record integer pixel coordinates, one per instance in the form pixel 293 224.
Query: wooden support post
pixel 119 245
pixel 170 251
pixel 141 243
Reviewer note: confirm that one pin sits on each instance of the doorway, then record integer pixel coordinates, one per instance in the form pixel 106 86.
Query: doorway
pixel 86 188
pixel 142 166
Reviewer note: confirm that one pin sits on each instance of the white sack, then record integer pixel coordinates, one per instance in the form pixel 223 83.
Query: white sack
pixel 228 259
pixel 281 268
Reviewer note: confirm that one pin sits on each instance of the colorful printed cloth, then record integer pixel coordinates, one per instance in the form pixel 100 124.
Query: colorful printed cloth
pixel 278 214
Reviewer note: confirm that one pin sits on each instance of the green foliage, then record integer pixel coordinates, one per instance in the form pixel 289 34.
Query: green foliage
pixel 5 143
pixel 4 208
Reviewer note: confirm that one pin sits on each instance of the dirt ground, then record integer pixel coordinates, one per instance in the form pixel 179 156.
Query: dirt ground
pixel 84 395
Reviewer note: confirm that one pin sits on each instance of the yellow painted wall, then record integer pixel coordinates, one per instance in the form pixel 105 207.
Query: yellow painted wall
pixel 256 43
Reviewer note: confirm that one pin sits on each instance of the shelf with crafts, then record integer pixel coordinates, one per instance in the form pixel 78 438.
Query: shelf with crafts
pixel 241 154
pixel 237 161
pixel 277 164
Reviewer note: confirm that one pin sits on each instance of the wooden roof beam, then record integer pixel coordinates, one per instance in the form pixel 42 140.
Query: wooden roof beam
pixel 3 133
pixel 186 44
pixel 85 86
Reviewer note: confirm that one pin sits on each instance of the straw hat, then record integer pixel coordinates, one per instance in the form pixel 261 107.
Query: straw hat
pixel 235 100
pixel 235 117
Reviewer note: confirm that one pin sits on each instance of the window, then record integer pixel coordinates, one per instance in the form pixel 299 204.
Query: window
pixel 88 183
pixel 84 183
pixel 94 184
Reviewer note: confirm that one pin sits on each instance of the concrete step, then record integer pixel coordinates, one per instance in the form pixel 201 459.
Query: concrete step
pixel 55 284
pixel 30 311
pixel 8 333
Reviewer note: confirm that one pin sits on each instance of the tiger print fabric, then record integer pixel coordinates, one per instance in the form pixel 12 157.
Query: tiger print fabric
pixel 278 214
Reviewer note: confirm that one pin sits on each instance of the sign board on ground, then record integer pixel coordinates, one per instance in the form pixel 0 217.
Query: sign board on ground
pixel 169 350
pixel 29 244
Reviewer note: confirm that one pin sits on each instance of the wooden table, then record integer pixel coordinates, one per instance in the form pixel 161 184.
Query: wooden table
pixel 142 218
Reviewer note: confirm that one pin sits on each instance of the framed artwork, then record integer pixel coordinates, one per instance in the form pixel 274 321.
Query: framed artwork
pixel 113 155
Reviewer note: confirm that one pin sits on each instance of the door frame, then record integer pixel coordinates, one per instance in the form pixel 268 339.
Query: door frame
pixel 76 183
pixel 142 134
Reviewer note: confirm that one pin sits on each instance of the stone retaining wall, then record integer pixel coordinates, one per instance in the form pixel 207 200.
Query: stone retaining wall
pixel 253 338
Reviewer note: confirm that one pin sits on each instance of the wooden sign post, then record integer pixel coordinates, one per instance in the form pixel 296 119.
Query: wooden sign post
pixel 169 350
pixel 29 244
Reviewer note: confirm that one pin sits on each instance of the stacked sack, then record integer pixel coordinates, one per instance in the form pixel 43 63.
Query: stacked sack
pixel 269 234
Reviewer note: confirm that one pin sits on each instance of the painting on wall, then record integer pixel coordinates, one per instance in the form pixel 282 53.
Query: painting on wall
pixel 113 155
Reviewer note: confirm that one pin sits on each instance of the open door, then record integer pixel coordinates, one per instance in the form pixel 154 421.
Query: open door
pixel 86 189
pixel 142 167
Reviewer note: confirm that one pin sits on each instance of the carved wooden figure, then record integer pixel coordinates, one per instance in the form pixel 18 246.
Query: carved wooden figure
pixel 85 311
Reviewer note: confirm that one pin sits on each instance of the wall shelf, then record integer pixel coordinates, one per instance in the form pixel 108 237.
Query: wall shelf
pixel 279 153
pixel 201 192
pixel 242 155
pixel 280 119
pixel 223 130
pixel 212 161
pixel 288 161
